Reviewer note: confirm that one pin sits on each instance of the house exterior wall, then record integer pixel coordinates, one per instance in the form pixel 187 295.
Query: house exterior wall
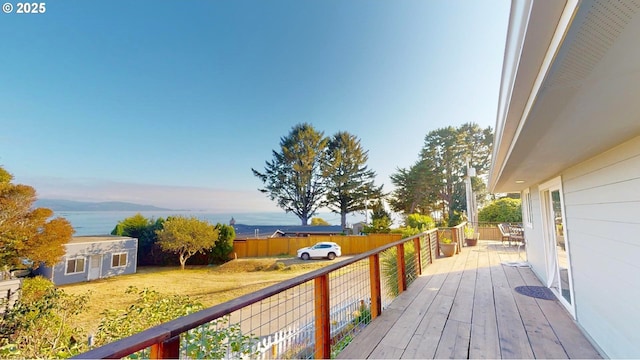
pixel 602 204
pixel 106 249
pixel 602 210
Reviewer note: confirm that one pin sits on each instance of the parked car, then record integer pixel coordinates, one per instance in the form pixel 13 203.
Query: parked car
pixel 329 250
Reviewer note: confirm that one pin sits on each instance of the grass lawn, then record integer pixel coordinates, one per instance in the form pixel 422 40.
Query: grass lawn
pixel 209 285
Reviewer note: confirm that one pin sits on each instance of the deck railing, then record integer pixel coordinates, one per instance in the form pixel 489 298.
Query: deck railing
pixel 313 315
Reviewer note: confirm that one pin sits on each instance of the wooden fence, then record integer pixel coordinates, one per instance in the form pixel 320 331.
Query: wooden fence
pixel 489 233
pixel 350 244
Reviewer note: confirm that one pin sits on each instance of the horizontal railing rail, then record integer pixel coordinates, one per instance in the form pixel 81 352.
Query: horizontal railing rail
pixel 410 254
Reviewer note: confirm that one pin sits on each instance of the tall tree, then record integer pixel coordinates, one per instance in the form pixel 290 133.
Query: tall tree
pixel 442 151
pixel 412 189
pixel 27 233
pixel 439 173
pixel 186 237
pixel 349 183
pixel 294 176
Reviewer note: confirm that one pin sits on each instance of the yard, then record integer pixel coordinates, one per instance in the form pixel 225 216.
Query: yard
pixel 209 285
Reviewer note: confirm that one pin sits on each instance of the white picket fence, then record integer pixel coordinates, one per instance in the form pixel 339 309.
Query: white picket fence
pixel 293 340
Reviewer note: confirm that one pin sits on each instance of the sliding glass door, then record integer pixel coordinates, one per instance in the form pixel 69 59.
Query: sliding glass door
pixel 557 243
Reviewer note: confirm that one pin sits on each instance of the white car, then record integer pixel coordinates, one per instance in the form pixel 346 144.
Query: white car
pixel 329 250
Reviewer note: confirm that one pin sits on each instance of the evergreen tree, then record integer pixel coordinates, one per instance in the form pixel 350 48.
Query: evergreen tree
pixel 223 246
pixel 293 177
pixel 435 182
pixel 349 182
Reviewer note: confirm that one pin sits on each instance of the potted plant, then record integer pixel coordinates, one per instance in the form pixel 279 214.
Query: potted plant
pixel 447 246
pixel 470 237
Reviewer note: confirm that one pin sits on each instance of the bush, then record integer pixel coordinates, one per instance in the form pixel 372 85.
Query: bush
pixel 502 210
pixel 218 340
pixel 223 246
pixel 38 325
pixel 406 231
pixel 389 265
pixel 420 222
pixel 378 226
pixel 150 309
pixel 213 340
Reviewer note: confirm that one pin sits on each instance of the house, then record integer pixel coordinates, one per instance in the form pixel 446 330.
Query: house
pixel 568 140
pixel 93 257
pixel 256 231
pixel 358 228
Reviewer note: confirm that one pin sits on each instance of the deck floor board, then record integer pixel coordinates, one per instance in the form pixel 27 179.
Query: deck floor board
pixel 467 306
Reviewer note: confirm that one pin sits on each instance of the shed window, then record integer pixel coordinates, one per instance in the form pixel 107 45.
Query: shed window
pixel 119 260
pixel 75 266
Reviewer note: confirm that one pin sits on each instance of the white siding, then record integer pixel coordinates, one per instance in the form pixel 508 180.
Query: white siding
pixel 602 205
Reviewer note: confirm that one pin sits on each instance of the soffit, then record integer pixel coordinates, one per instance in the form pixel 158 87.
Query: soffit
pixel 588 102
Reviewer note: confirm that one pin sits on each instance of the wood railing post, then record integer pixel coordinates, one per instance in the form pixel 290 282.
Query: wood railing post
pixel 376 290
pixel 168 349
pixel 402 271
pixel 417 247
pixel 323 330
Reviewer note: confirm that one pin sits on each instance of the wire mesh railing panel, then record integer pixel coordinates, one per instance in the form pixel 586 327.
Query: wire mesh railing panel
pixel 389 276
pixel 410 262
pixel 350 304
pixel 278 327
pixel 425 253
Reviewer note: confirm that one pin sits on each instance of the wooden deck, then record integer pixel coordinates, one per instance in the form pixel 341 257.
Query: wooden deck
pixel 466 306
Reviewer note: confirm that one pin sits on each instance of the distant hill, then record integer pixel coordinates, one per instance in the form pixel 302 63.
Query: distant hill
pixel 69 205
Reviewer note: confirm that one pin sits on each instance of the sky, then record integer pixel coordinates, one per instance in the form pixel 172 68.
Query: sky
pixel 171 103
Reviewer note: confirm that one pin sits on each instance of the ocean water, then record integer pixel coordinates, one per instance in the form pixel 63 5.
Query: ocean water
pixel 103 222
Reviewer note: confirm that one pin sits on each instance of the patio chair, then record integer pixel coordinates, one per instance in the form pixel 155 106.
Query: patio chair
pixel 504 231
pixel 516 234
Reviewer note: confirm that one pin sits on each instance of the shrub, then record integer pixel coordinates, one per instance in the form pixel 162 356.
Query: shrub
pixel 389 265
pixel 38 325
pixel 362 316
pixel 223 246
pixel 378 226
pixel 502 210
pixel 213 340
pixel 420 222
pixel 406 231
pixel 150 309
pixel 218 340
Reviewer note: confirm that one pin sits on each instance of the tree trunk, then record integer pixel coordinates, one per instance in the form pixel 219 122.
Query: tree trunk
pixel 183 261
pixel 343 220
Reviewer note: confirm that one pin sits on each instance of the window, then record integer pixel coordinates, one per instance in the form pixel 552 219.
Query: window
pixel 119 260
pixel 527 209
pixel 75 266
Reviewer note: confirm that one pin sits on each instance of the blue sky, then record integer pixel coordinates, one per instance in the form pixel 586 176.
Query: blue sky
pixel 171 103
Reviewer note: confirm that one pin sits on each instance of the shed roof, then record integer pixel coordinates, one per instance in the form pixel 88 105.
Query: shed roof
pixel 99 238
